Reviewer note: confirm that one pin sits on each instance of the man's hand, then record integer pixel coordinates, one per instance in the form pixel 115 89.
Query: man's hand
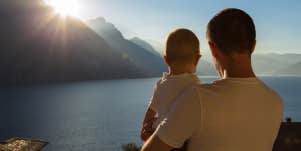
pixel 154 143
pixel 147 129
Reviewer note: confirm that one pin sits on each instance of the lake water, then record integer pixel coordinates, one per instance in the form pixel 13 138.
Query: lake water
pixel 99 115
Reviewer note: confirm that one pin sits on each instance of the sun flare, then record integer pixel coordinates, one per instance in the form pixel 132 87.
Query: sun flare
pixel 65 7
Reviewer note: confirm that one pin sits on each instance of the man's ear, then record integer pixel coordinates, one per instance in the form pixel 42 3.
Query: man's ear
pixel 253 48
pixel 213 49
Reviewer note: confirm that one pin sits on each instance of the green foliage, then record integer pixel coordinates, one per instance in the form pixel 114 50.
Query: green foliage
pixel 130 147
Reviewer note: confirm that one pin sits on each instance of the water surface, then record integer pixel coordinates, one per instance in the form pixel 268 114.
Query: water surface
pixel 97 115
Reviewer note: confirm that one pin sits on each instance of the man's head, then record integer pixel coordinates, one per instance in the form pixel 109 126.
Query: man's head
pixel 231 33
pixel 182 49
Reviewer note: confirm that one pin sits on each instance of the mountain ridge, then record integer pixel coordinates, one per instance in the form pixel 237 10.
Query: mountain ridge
pixel 40 47
pixel 138 55
pixel 145 45
pixel 292 70
pixel 263 63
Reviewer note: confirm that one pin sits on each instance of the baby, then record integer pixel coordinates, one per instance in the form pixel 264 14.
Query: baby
pixel 182 54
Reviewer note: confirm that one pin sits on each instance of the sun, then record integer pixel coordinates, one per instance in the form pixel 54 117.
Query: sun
pixel 65 7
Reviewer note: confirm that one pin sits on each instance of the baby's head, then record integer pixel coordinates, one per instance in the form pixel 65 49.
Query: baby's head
pixel 182 51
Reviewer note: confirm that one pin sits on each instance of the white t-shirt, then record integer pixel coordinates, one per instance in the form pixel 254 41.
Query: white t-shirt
pixel 167 90
pixel 233 114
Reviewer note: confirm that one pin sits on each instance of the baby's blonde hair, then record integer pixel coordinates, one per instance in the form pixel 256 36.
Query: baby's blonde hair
pixel 182 46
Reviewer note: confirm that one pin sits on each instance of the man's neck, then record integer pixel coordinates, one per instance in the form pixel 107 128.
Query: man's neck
pixel 238 67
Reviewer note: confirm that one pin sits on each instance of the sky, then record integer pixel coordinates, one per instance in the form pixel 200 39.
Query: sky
pixel 278 22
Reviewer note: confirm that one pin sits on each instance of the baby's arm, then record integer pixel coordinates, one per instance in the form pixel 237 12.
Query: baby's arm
pixel 147 128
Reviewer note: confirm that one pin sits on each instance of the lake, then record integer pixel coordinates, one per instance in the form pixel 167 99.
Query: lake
pixel 97 115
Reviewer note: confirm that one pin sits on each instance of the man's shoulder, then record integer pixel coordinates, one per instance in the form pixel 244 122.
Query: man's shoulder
pixel 274 98
pixel 191 93
pixel 196 91
pixel 272 94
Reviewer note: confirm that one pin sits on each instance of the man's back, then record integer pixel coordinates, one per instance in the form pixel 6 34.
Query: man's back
pixel 237 114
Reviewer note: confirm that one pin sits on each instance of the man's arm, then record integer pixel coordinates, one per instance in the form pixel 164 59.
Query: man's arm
pixel 150 117
pixel 182 121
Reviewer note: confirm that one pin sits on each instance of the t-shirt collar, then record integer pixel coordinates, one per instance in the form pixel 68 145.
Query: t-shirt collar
pixel 239 80
pixel 182 75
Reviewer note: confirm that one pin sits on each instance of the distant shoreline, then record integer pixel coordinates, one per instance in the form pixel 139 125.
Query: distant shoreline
pixel 123 79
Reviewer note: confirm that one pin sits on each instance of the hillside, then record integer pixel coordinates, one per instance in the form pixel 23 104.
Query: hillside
pixel 263 64
pixel 145 45
pixel 38 46
pixel 206 68
pixel 140 56
pixel 293 70
pixel 271 63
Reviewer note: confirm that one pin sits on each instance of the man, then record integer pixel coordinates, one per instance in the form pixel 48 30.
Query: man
pixel 238 112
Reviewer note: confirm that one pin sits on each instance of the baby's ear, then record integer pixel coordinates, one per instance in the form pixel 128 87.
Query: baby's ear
pixel 165 60
pixel 198 57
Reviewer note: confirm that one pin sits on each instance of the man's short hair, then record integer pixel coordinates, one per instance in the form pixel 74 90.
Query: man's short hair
pixel 232 30
pixel 182 45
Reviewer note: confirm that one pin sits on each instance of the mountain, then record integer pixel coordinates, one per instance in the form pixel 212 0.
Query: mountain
pixel 140 56
pixel 38 46
pixel 206 68
pixel 292 70
pixel 145 45
pixel 263 63
pixel 271 63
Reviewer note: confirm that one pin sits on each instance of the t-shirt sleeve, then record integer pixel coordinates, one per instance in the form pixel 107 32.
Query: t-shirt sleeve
pixel 183 119
pixel 153 104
